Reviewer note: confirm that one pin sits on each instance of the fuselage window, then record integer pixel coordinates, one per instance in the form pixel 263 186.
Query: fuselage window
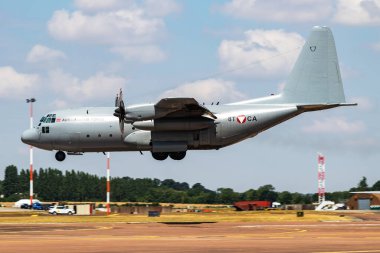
pixel 45 130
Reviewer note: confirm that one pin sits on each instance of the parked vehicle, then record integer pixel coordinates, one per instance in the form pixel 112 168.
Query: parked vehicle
pixel 24 201
pixel 40 206
pixel 55 210
pixel 248 205
pixel 25 206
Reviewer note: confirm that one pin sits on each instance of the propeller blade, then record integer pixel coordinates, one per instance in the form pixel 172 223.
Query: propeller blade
pixel 121 125
pixel 120 110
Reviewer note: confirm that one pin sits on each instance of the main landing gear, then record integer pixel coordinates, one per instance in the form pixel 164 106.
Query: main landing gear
pixel 160 156
pixel 60 156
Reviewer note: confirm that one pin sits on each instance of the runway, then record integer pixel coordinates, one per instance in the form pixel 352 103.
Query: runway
pixel 316 237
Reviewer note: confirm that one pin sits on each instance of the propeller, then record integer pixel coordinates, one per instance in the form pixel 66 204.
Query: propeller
pixel 120 110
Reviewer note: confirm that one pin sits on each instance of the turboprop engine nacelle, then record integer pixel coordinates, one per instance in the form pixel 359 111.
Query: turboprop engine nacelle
pixel 140 112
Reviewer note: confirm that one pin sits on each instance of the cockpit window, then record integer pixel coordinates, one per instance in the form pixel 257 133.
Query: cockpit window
pixel 50 118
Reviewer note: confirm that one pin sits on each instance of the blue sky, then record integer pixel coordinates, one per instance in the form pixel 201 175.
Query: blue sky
pixel 79 53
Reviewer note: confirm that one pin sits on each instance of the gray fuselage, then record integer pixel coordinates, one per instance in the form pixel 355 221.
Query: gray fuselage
pixel 95 129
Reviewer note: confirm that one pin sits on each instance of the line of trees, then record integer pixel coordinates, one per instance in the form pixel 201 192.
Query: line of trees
pixel 54 185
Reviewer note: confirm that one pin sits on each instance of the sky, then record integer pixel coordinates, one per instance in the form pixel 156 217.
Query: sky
pixel 78 53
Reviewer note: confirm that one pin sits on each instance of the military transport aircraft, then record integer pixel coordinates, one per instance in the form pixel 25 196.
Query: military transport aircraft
pixel 174 125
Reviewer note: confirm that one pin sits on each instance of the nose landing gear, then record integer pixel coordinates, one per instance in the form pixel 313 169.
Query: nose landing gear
pixel 60 156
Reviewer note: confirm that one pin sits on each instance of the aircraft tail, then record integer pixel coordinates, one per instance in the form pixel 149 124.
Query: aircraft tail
pixel 315 78
pixel 315 82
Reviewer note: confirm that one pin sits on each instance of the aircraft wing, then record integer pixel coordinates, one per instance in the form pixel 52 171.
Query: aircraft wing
pixel 181 107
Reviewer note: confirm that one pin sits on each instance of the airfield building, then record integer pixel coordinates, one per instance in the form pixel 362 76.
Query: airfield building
pixel 366 200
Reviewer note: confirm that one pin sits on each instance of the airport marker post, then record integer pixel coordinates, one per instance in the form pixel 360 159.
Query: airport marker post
pixel 108 184
pixel 321 178
pixel 30 101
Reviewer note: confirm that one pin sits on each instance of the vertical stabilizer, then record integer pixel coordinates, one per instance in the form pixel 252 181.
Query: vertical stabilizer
pixel 315 78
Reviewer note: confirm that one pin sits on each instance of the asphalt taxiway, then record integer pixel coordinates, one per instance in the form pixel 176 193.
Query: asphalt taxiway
pixel 337 237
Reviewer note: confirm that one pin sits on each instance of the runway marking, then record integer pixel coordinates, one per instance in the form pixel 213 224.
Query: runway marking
pixel 281 237
pixel 350 251
pixel 313 225
pixel 56 230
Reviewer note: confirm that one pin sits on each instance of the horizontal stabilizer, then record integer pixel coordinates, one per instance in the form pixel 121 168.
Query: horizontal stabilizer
pixel 318 107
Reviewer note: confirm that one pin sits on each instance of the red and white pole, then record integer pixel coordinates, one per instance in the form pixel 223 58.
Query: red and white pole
pixel 31 176
pixel 30 102
pixel 321 178
pixel 108 184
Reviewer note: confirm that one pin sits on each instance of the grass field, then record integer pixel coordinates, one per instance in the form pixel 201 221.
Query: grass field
pixel 215 216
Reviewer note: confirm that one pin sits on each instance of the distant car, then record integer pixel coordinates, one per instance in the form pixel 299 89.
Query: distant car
pixel 25 206
pixel 24 201
pixel 61 210
pixel 39 206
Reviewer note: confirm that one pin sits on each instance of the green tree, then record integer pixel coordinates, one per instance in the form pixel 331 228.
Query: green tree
pixel 362 185
pixel 376 186
pixel 1 188
pixel 227 196
pixel 266 192
pixel 10 183
pixel 298 198
pixel 23 180
pixel 285 197
pixel 251 194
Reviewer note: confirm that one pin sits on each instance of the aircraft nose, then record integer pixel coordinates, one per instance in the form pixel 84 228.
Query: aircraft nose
pixel 30 136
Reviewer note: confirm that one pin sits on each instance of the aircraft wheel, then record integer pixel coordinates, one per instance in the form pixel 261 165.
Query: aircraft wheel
pixel 160 156
pixel 60 156
pixel 177 155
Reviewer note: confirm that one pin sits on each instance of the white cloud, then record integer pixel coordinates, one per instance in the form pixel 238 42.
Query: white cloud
pixel 110 28
pixel 121 25
pixel 72 88
pixel 151 7
pixel 262 53
pixel 358 12
pixel 335 125
pixel 96 5
pixel 145 54
pixel 209 90
pixel 280 10
pixel 60 104
pixel 40 53
pixel 14 84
